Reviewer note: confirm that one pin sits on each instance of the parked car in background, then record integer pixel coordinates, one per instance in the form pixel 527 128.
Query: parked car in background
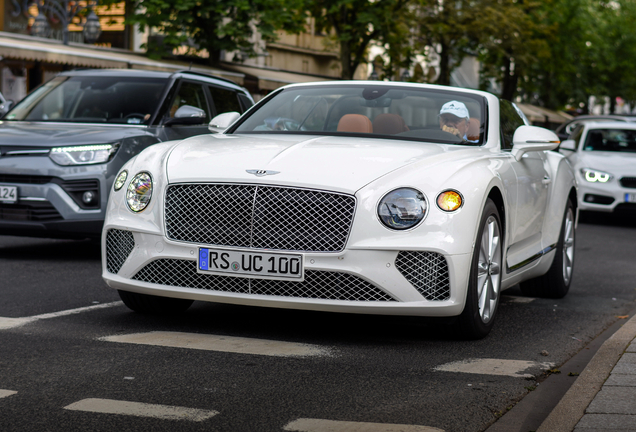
pixel 62 145
pixel 565 129
pixel 5 105
pixel 349 197
pixel 604 159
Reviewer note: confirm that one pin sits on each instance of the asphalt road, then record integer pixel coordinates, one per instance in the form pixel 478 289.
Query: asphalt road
pixel 68 361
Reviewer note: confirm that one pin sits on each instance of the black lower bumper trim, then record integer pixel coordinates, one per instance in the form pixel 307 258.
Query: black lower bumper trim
pixel 68 229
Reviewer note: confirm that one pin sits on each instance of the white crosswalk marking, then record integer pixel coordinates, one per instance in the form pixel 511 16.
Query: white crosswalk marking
pixel 516 299
pixel 513 368
pixel 5 393
pixel 7 323
pixel 318 425
pixel 166 412
pixel 221 343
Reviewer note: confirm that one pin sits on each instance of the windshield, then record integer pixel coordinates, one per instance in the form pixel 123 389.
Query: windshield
pixel 92 99
pixel 613 140
pixel 372 110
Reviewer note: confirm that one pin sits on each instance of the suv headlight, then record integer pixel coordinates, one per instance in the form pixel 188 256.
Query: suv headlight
pixel 402 208
pixel 595 176
pixel 83 155
pixel 139 192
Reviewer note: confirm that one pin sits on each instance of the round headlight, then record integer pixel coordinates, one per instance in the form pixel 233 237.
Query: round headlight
pixel 402 208
pixel 449 200
pixel 120 180
pixel 139 192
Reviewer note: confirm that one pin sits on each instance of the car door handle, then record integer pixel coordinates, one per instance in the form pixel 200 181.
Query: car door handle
pixel 546 180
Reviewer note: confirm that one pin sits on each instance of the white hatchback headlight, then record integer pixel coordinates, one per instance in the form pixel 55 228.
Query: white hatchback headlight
pixel 595 176
pixel 83 155
pixel 139 192
pixel 402 208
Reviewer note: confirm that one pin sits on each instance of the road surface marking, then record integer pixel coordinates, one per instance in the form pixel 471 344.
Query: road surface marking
pixel 7 323
pixel 167 412
pixel 513 368
pixel 221 343
pixel 516 299
pixel 5 393
pixel 318 425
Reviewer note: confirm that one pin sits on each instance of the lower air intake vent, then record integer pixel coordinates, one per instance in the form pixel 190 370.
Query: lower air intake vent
pixel 427 272
pixel 317 284
pixel 119 244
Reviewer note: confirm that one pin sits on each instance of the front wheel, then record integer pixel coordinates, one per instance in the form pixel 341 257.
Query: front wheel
pixel 150 304
pixel 556 282
pixel 482 297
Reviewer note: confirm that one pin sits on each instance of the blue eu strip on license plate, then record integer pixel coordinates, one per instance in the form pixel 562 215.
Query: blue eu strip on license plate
pixel 250 263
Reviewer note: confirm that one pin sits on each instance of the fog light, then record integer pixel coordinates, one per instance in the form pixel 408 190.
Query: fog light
pixel 88 197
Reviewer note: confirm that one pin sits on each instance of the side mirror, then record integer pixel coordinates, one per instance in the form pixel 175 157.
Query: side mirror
pixel 187 115
pixel 569 145
pixel 221 122
pixel 533 138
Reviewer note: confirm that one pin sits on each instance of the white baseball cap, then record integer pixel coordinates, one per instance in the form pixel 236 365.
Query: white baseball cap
pixel 455 108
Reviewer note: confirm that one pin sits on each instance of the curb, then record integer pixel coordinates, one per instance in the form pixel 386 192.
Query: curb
pixel 566 415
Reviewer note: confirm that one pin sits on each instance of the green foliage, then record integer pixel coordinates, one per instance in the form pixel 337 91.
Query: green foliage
pixel 215 25
pixel 353 24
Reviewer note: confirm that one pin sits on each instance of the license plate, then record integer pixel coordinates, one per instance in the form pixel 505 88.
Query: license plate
pixel 263 265
pixel 8 194
pixel 630 197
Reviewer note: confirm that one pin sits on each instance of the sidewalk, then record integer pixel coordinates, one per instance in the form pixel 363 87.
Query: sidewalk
pixel 603 397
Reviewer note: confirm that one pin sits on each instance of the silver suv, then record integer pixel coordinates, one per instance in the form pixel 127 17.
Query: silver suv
pixel 62 146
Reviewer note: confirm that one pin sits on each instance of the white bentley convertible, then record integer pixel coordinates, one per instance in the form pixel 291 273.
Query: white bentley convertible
pixel 358 197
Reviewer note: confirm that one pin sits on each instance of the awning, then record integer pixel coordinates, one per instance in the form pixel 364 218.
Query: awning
pixel 543 115
pixel 271 79
pixel 14 46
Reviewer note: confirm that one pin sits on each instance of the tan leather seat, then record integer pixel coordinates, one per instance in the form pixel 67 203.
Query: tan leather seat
pixel 355 123
pixel 389 124
pixel 473 129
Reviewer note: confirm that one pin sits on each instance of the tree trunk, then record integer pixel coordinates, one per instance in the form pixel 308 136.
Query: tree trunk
pixel 444 66
pixel 345 61
pixel 509 84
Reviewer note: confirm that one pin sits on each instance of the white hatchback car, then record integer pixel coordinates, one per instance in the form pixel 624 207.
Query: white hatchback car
pixel 361 197
pixel 604 159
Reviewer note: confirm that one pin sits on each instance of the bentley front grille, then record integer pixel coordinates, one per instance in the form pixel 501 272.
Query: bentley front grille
pixel 427 272
pixel 119 244
pixel 261 217
pixel 317 284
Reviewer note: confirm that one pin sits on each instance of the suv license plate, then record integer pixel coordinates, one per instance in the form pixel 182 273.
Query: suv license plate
pixel 8 194
pixel 263 265
pixel 630 197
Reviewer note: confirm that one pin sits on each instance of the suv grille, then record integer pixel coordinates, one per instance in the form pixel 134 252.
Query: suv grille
pixel 262 217
pixel 119 244
pixel 35 212
pixel 317 285
pixel 427 272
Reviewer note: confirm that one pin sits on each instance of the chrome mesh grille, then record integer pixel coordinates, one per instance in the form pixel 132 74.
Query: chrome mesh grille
pixel 119 244
pixel 427 272
pixel 256 216
pixel 317 285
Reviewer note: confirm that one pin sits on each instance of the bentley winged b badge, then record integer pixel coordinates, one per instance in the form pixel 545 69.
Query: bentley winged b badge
pixel 261 173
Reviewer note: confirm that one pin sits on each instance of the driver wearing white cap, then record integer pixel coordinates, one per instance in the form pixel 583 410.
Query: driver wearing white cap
pixel 454 119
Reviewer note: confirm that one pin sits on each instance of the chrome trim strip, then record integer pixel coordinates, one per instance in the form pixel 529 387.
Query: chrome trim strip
pixel 26 152
pixel 33 199
pixel 531 259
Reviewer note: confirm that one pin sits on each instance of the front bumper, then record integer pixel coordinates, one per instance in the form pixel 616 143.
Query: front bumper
pixel 605 198
pixel 391 282
pixel 50 199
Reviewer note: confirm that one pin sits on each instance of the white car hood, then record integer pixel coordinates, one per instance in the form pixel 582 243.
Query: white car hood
pixel 617 163
pixel 333 163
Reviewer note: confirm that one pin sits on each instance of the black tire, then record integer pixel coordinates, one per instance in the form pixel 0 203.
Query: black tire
pixel 155 305
pixel 484 284
pixel 556 282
